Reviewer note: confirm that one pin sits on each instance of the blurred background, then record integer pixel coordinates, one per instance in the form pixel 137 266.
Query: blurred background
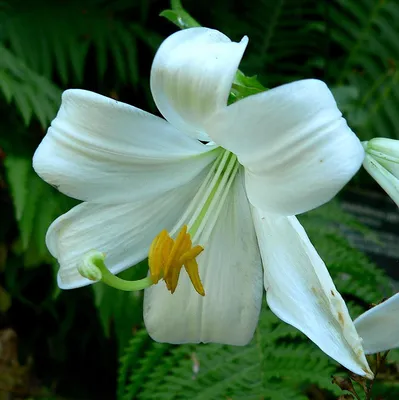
pixel 90 343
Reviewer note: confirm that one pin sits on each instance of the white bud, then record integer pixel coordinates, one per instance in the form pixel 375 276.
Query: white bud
pixel 382 163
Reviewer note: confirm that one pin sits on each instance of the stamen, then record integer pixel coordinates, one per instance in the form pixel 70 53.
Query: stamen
pixel 177 249
pixel 192 253
pixel 167 257
pixel 156 255
pixel 192 270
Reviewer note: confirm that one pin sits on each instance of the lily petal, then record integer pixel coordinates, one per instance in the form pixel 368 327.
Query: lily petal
pixel 99 149
pixel 123 232
pixel 379 326
pixel 231 273
pixel 191 76
pixel 297 150
pixel 300 290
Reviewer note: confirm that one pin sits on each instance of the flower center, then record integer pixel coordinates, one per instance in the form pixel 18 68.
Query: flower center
pixel 167 256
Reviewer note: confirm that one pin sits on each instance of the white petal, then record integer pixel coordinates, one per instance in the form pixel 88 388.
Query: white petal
pixel 98 149
pixel 297 150
pixel 122 231
pixel 300 290
pixel 379 327
pixel 230 269
pixel 192 74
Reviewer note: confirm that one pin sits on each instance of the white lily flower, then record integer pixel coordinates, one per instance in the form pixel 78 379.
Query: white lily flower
pixel 270 156
pixel 382 163
pixel 379 326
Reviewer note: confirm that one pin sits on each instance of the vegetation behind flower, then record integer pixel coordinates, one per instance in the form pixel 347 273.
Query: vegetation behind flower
pixel 55 345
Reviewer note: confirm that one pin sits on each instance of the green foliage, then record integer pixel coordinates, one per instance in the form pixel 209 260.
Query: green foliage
pixel 366 34
pixel 178 16
pixel 28 67
pixel 279 363
pixel 284 44
pixel 33 94
pixel 120 311
pixel 36 206
pixel 269 367
pixel 107 46
pixel 244 86
pixel 46 46
pixel 64 48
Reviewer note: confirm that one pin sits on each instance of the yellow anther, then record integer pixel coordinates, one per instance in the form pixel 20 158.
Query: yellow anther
pixel 192 270
pixel 166 258
pixel 191 254
pixel 158 254
pixel 179 247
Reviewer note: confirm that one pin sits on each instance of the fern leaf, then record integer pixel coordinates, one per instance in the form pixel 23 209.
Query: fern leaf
pixel 62 48
pixel 32 93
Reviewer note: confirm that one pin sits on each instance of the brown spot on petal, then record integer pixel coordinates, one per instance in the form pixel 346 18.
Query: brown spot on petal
pixel 341 318
pixel 332 293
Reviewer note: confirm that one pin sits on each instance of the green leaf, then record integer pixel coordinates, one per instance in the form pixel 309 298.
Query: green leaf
pixel 36 206
pixel 345 96
pixel 33 94
pixel 180 18
pixel 59 49
pixel 18 171
pixel 244 86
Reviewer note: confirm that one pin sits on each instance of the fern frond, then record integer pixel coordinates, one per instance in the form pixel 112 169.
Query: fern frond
pixel 265 369
pixel 137 363
pixel 366 33
pixel 65 32
pixel 33 94
pixel 129 360
pixel 278 55
pixel 36 206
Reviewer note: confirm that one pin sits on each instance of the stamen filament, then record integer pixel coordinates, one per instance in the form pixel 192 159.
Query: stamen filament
pixel 216 202
pixel 209 226
pixel 210 189
pixel 199 195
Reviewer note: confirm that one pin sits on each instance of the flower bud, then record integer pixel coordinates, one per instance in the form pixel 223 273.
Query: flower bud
pixel 382 163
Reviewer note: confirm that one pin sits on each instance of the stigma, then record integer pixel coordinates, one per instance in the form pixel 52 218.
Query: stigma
pixel 167 257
